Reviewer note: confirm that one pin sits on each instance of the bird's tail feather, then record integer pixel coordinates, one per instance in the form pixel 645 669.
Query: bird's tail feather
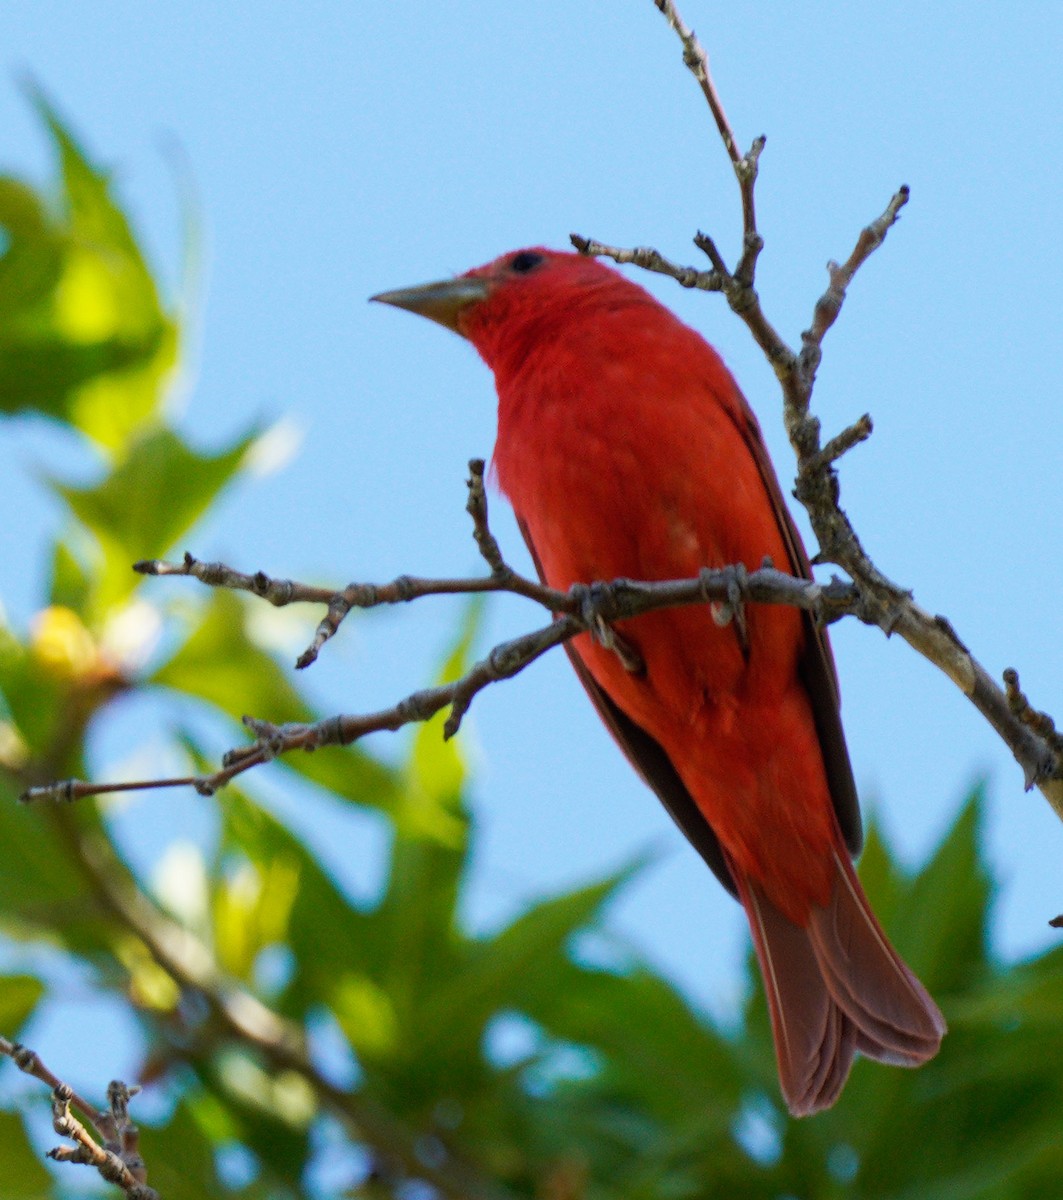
pixel 835 987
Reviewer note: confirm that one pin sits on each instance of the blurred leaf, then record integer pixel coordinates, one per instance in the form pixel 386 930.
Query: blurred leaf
pixel 97 222
pixel 43 373
pixel 148 503
pixel 32 261
pixel 70 585
pixel 270 1113
pixel 432 807
pixel 517 967
pixel 19 996
pixel 83 335
pixel 654 1044
pixel 22 1174
pixel 329 938
pixel 252 911
pixel 940 928
pixel 419 907
pixel 34 699
pixel 180 1157
pixel 221 664
pixel 41 887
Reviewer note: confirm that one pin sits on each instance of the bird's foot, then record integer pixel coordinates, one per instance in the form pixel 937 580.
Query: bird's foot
pixel 596 608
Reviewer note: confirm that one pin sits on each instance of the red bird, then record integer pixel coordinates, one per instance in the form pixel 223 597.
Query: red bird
pixel 627 450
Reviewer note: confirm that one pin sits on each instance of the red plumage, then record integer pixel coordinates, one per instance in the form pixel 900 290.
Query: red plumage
pixel 627 450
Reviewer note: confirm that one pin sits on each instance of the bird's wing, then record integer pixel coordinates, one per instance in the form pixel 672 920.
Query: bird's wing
pixel 650 760
pixel 817 668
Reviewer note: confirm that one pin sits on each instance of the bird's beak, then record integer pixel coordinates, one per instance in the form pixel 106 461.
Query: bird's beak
pixel 442 302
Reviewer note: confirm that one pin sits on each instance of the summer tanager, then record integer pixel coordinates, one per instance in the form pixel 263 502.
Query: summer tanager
pixel 627 450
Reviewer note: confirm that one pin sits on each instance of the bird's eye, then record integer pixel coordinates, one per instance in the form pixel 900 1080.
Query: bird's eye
pixel 525 261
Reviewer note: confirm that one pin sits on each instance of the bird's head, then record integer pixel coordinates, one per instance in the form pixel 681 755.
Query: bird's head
pixel 521 297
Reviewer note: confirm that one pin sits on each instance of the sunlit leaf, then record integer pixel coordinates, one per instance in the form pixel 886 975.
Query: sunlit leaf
pixel 84 336
pixel 419 908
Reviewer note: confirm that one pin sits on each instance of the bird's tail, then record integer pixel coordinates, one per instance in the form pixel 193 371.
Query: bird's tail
pixel 834 987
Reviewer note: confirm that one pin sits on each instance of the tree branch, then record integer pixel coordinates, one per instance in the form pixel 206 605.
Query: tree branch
pixel 584 609
pixel 114 1147
pixel 889 605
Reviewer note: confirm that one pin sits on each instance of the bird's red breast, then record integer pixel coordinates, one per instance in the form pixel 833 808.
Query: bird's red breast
pixel 624 447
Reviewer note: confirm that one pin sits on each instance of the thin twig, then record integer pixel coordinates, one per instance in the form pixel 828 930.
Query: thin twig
pixel 114 1147
pixel 652 260
pixel 829 304
pixel 31 1063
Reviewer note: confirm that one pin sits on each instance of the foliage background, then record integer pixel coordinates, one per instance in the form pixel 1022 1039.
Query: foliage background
pixel 332 183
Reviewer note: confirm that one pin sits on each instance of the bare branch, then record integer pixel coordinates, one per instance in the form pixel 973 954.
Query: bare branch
pixel 697 61
pixel 476 507
pixel 829 304
pixel 114 1148
pixel 842 443
pixel 30 1062
pixel 592 609
pixel 401 590
pixel 745 165
pixel 1039 722
pixel 653 260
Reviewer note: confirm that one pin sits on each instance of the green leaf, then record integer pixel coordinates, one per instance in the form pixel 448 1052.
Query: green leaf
pixel 940 926
pixel 22 1174
pixel 19 996
pixel 31 264
pixel 71 585
pixel 432 808
pixel 220 663
pixel 329 938
pixel 148 503
pixel 655 1046
pixel 33 699
pixel 83 335
pixel 180 1156
pixel 44 373
pixel 40 885
pixel 428 856
pixel 513 968
pixel 97 221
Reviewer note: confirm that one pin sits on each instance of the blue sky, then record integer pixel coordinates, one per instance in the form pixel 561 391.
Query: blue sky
pixel 340 149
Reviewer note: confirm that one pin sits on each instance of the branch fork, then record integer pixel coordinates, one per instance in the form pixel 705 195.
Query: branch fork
pixel 112 1145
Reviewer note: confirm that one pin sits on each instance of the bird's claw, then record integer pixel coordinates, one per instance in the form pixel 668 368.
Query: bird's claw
pixel 595 602
pixel 732 611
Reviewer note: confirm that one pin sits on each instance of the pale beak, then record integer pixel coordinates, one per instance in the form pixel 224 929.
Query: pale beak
pixel 442 302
